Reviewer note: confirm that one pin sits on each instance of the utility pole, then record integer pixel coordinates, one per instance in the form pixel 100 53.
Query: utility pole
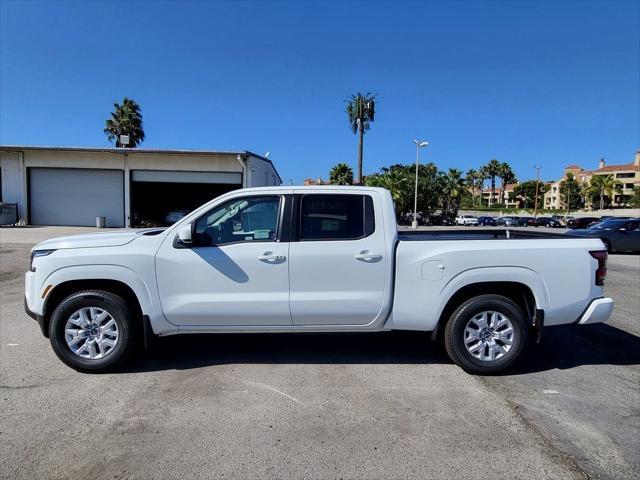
pixel 535 208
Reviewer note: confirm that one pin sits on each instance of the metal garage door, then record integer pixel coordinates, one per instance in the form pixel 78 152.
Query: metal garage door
pixel 70 196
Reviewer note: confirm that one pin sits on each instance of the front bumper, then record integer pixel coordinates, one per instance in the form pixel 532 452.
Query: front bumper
pixel 598 311
pixel 36 317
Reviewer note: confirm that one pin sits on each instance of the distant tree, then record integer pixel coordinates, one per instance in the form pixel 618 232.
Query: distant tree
pixel 571 192
pixel 398 183
pixel 452 186
pixel 126 119
pixel 634 201
pixel 506 175
pixel 526 191
pixel 603 187
pixel 471 179
pixel 360 113
pixel 341 174
pixel 492 170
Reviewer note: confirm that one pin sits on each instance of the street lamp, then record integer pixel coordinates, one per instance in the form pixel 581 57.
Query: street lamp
pixel 535 208
pixel 419 145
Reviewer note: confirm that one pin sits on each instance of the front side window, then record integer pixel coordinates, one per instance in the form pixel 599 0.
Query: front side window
pixel 336 217
pixel 248 219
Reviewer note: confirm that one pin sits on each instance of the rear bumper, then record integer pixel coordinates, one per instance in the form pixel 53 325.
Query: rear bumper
pixel 598 311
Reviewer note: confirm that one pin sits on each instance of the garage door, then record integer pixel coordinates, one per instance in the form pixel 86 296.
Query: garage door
pixel 69 196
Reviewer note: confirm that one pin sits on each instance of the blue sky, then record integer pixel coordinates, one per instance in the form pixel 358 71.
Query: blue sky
pixel 549 83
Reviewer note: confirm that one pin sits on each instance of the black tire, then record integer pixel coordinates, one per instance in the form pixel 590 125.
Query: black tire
pixel 455 327
pixel 119 310
pixel 607 244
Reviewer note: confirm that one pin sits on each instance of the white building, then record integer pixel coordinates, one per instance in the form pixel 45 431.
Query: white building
pixel 129 187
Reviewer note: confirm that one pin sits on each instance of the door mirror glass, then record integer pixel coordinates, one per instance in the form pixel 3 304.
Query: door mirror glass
pixel 184 234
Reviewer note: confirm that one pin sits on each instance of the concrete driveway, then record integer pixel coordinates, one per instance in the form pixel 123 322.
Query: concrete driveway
pixel 322 406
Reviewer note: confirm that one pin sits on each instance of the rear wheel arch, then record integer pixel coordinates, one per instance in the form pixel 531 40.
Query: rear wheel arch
pixel 519 293
pixel 65 289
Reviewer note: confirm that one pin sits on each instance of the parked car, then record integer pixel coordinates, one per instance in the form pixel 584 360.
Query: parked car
pixel 527 222
pixel 487 221
pixel 548 222
pixel 310 259
pixel 507 221
pixel 466 220
pixel 581 222
pixel 442 220
pixel 617 234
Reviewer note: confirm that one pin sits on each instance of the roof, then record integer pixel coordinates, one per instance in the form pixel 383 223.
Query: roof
pixel 615 168
pixel 20 148
pixel 572 167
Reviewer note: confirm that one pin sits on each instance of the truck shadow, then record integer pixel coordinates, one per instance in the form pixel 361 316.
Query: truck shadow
pixel 563 347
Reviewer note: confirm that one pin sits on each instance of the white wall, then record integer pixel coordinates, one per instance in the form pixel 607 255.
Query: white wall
pixel 14 182
pixel 261 173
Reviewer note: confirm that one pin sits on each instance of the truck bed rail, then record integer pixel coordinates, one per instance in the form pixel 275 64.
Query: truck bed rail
pixel 476 234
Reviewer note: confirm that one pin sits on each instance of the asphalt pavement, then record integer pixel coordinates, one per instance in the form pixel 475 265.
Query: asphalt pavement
pixel 387 405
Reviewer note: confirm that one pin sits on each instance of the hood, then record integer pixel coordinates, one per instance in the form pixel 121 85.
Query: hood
pixel 89 240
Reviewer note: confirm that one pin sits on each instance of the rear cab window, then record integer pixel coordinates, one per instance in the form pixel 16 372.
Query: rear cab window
pixel 326 217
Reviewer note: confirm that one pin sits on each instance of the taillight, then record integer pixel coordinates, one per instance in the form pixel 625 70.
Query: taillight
pixel 601 271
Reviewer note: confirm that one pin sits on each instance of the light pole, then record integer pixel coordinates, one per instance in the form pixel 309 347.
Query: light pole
pixel 535 208
pixel 419 145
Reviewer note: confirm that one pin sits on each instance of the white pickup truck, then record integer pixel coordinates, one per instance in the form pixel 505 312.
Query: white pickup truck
pixel 311 259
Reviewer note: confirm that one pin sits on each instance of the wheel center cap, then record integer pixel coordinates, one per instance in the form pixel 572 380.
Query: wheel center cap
pixel 94 331
pixel 486 333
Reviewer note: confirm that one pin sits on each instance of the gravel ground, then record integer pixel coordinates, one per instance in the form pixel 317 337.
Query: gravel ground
pixel 323 406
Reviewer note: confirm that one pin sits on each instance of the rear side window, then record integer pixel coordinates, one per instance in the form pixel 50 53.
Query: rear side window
pixel 336 217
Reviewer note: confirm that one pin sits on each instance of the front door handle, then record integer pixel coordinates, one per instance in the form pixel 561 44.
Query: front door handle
pixel 367 256
pixel 271 257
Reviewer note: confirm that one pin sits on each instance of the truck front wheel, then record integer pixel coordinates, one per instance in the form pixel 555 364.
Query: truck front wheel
pixel 486 334
pixel 92 330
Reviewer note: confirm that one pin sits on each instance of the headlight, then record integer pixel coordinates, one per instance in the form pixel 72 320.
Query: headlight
pixel 38 253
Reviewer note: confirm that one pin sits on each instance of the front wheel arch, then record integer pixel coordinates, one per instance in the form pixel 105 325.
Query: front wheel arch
pixel 63 290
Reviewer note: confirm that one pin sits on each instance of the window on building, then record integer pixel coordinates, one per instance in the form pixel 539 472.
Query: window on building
pixel 625 175
pixel 629 186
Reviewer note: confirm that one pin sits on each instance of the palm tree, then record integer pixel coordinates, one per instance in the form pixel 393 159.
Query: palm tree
pixel 603 186
pixel 492 170
pixel 471 177
pixel 341 174
pixel 506 176
pixel 126 119
pixel 483 174
pixel 361 113
pixel 452 185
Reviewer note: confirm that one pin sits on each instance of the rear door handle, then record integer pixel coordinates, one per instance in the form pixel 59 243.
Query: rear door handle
pixel 270 257
pixel 367 256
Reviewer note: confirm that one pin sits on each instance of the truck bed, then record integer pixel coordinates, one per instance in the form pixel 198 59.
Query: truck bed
pixel 476 234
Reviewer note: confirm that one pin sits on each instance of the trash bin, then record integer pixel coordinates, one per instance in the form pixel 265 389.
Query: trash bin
pixel 8 213
pixel 101 222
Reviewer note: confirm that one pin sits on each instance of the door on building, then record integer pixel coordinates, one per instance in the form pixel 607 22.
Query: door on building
pixel 76 196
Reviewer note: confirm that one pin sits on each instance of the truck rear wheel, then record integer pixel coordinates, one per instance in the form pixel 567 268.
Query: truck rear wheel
pixel 486 334
pixel 92 330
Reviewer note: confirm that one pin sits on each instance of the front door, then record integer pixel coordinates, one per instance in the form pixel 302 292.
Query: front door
pixel 236 273
pixel 338 265
pixel 628 236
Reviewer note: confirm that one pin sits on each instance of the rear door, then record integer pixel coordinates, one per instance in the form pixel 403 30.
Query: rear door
pixel 338 262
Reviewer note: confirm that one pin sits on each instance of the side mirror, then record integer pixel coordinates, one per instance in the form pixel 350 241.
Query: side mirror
pixel 184 234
